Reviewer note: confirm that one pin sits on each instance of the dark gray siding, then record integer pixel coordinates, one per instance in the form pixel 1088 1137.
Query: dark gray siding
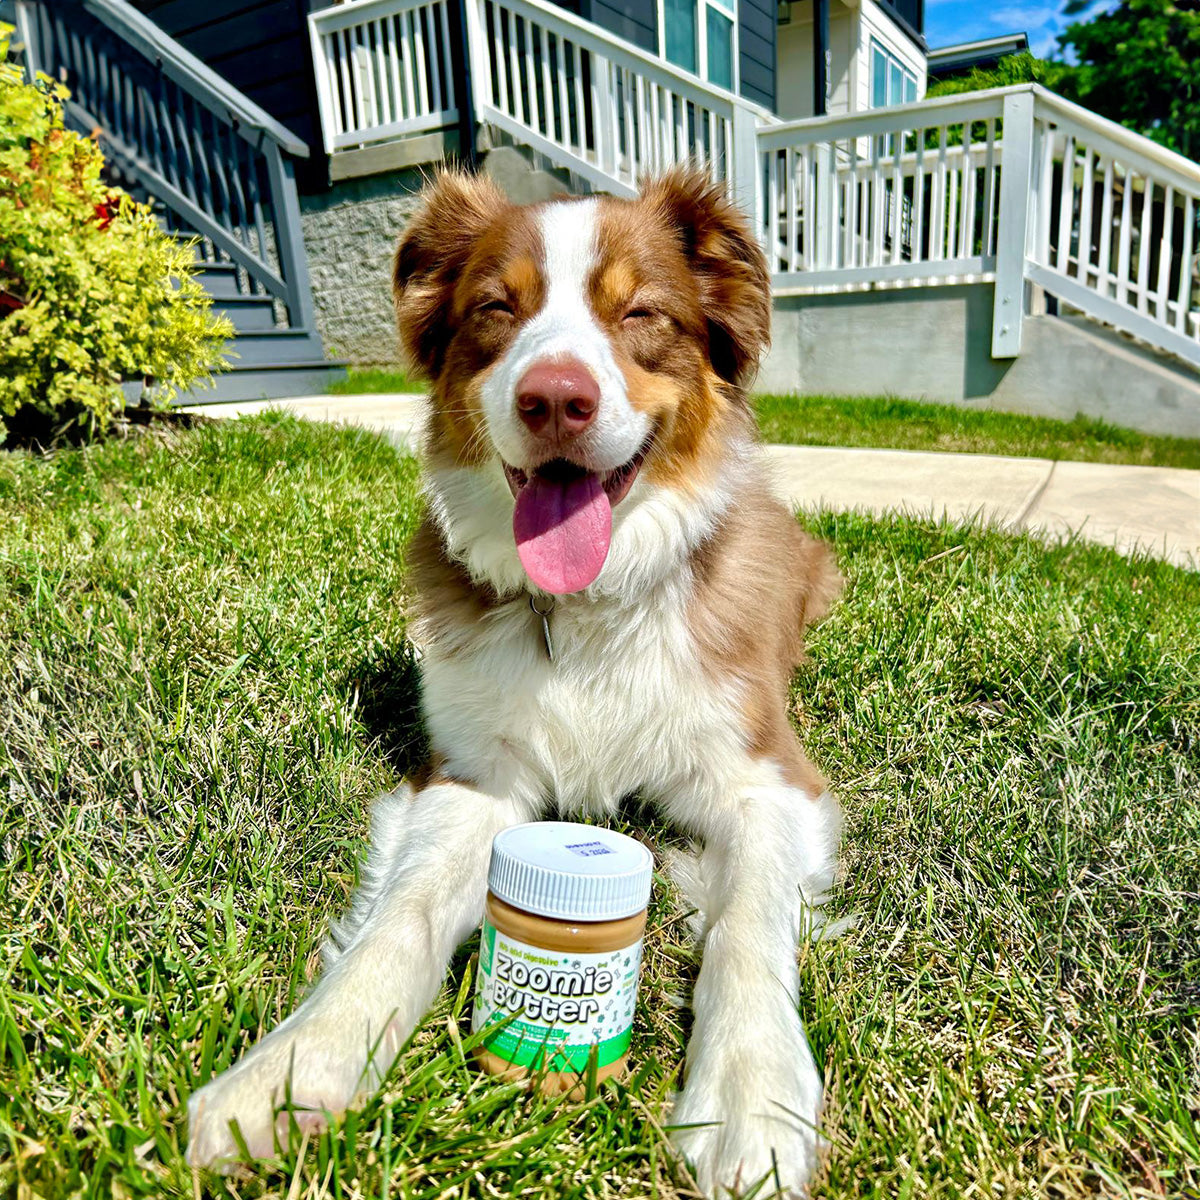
pixel 261 47
pixel 756 50
pixel 634 20
pixel 637 22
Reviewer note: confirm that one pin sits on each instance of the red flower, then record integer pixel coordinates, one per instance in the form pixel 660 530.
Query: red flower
pixel 9 302
pixel 106 211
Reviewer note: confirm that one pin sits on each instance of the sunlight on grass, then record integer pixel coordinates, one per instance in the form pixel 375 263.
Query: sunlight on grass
pixel 885 422
pixel 374 382
pixel 207 682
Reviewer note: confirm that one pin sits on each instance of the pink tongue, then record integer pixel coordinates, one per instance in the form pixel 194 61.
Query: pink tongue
pixel 562 532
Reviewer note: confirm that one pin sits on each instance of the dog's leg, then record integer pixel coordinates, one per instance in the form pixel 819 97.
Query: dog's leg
pixel 422 894
pixel 752 1095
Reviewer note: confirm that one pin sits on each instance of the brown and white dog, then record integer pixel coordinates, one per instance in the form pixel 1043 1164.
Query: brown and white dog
pixel 590 451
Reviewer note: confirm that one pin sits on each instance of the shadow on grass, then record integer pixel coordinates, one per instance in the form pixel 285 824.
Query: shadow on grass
pixel 386 686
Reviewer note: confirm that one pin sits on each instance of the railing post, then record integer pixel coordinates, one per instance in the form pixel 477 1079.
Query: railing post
pixel 289 240
pixel 1012 235
pixel 476 56
pixel 747 171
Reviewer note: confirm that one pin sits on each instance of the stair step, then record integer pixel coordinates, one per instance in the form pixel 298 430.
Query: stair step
pixel 249 314
pixel 268 382
pixel 219 280
pixel 259 348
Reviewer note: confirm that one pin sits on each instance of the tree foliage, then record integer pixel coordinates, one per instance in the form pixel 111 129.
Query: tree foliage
pixel 92 291
pixel 1139 64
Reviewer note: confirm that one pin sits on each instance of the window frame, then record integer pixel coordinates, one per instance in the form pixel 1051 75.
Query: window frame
pixel 727 10
pixel 892 62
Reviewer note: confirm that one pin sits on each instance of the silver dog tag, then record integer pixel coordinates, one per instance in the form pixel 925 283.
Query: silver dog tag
pixel 545 624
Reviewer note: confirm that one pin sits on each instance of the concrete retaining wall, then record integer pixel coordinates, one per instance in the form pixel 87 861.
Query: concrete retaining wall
pixel 935 344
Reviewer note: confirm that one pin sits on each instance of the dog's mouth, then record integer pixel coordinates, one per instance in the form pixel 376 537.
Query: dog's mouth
pixel 562 521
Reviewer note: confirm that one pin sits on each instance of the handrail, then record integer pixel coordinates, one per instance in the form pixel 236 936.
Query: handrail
pixel 191 74
pixel 942 110
pixel 1135 144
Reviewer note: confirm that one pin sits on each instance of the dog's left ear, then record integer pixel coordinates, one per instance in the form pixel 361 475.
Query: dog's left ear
pixel 725 258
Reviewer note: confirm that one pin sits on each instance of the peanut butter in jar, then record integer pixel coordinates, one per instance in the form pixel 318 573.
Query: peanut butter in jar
pixel 560 952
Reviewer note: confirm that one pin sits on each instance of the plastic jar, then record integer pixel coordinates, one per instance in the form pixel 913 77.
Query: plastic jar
pixel 560 952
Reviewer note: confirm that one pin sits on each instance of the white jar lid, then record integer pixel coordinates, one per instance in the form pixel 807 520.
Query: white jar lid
pixel 574 872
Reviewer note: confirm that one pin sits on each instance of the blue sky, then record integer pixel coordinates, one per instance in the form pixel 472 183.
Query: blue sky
pixel 951 21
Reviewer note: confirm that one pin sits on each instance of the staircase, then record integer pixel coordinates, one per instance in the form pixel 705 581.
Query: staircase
pixel 214 166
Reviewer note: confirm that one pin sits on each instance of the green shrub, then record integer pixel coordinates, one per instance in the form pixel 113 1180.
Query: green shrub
pixel 92 291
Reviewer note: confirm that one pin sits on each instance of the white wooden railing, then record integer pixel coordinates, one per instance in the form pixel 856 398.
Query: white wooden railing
pixel 605 110
pixel 383 70
pixel 1013 186
pixel 1117 227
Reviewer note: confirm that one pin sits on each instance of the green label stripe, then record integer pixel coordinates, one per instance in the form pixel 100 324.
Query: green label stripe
pixel 526 1045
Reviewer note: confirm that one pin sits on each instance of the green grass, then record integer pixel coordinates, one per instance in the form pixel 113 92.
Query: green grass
pixel 206 683
pixel 374 381
pixel 907 425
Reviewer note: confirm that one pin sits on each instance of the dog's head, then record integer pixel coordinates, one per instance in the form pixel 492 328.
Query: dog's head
pixel 588 349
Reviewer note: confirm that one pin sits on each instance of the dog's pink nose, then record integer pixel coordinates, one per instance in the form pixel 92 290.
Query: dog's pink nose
pixel 557 399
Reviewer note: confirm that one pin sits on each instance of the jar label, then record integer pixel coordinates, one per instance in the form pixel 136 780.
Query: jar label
pixel 552 1007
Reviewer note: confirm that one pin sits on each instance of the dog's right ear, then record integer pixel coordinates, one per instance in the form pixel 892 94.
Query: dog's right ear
pixel 452 213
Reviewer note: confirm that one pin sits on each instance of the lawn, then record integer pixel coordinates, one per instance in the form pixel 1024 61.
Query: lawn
pixel 884 421
pixel 888 423
pixel 207 683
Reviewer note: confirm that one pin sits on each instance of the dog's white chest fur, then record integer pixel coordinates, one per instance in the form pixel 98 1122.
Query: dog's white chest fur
pixel 624 706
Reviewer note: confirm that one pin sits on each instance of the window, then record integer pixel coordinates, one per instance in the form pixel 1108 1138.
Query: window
pixel 699 36
pixel 891 81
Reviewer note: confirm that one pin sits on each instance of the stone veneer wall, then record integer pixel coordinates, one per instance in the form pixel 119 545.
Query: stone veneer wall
pixel 350 234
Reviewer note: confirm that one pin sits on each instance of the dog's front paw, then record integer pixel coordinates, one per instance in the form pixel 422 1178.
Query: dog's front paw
pixel 748 1117
pixel 306 1070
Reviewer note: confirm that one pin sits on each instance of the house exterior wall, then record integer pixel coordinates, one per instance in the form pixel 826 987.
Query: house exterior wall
pixel 756 51
pixel 851 30
pixel 795 71
pixel 634 20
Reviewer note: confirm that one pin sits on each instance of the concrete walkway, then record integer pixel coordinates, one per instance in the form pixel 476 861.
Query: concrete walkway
pixel 1156 509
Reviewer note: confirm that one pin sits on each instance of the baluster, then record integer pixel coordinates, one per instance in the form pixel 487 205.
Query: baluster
pixel 201 143
pixel 223 216
pixel 1143 276
pixel 254 183
pixel 966 233
pixel 897 194
pixel 165 125
pixel 534 117
pixel 789 182
pixel 989 190
pixel 396 97
pixel 937 218
pixel 361 120
pixel 626 78
pixel 773 211
pixel 952 199
pixel 1185 268
pixel 333 82
pixel 408 64
pixel 854 211
pixel 1164 255
pixel 918 237
pixel 644 159
pixel 1104 263
pixel 240 210
pixel 580 120
pixel 344 65
pixel 878 184
pixel 809 213
pixel 518 95
pixel 564 108
pixel 449 95
pixel 1066 208
pixel 1083 262
pixel 1125 237
pixel 182 100
pixel 1045 193
pixel 547 89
